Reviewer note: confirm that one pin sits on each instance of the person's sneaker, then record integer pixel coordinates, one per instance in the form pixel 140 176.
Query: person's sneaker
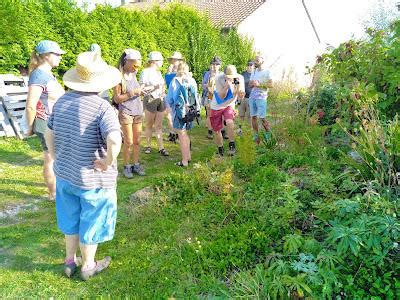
pixel 239 131
pixel 70 268
pixel 147 150
pixel 256 138
pixel 138 169
pixel 128 171
pixel 210 135
pixel 267 135
pixel 232 149
pixel 100 266
pixel 172 137
pixel 220 151
pixel 163 152
pixel 224 136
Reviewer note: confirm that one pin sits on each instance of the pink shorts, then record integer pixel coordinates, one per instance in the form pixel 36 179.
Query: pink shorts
pixel 218 116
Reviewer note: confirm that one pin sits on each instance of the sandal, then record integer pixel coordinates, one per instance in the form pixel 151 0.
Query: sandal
pixel 100 266
pixel 163 152
pixel 147 150
pixel 180 164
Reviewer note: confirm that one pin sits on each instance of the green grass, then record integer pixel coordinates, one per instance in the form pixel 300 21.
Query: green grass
pixel 147 250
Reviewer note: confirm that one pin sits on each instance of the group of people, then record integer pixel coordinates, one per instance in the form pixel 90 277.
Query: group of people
pixel 80 132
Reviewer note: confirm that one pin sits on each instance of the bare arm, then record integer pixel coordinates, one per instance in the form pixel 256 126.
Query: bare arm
pixel 34 93
pixel 114 142
pixel 120 97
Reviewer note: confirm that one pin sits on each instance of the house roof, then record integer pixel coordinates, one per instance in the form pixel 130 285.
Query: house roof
pixel 228 13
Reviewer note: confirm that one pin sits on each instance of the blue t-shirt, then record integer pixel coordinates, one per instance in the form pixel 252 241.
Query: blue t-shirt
pixel 168 78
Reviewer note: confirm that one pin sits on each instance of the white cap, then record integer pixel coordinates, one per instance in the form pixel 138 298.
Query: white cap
pixel 155 55
pixel 132 54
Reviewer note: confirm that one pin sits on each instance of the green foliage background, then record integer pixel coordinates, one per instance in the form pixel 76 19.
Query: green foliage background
pixel 23 23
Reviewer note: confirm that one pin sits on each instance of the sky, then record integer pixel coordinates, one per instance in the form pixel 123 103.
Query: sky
pixel 283 34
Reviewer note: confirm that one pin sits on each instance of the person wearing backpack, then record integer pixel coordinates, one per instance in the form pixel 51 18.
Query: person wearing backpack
pixel 127 95
pixel 229 86
pixel 183 99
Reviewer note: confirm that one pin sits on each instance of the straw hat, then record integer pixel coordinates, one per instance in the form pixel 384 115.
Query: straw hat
pixel 91 74
pixel 176 55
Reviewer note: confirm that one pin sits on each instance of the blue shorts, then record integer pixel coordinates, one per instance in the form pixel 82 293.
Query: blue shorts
pixel 90 213
pixel 258 108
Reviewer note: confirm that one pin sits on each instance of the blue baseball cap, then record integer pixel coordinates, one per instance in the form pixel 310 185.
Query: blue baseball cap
pixel 95 48
pixel 47 46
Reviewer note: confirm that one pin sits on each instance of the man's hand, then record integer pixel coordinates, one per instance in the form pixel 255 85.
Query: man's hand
pixel 101 165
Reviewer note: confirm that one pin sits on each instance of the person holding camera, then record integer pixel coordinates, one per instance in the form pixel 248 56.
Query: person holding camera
pixel 127 94
pixel 260 82
pixel 228 88
pixel 180 98
pixel 208 86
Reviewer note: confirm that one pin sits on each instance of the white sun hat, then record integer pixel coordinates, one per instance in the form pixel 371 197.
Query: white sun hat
pixel 132 54
pixel 176 55
pixel 155 55
pixel 91 74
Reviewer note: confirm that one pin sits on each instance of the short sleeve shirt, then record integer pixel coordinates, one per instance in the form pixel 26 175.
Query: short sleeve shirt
pixel 261 76
pixel 151 76
pixel 134 105
pixel 51 91
pixel 81 123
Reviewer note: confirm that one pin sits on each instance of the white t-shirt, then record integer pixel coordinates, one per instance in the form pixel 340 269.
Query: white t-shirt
pixel 151 76
pixel 262 77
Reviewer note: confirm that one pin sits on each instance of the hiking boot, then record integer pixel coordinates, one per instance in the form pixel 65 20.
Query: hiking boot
pixel 224 136
pixel 100 266
pixel 210 135
pixel 220 151
pixel 138 169
pixel 128 171
pixel 232 149
pixel 239 131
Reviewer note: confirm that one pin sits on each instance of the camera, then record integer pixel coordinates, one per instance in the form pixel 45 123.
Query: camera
pixel 236 81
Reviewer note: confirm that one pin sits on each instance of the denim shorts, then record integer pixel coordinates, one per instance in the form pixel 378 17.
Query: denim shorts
pixel 179 124
pixel 90 213
pixel 258 108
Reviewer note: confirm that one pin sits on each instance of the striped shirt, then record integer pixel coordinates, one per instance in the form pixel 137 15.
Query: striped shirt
pixel 81 122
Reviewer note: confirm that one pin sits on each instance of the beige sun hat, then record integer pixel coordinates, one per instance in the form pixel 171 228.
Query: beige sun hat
pixel 176 55
pixel 132 54
pixel 230 71
pixel 91 74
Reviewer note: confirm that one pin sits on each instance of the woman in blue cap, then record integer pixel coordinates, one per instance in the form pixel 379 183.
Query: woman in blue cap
pixel 43 92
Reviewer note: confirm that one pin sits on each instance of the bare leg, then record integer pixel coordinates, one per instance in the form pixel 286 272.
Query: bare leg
pixel 48 175
pixel 169 119
pixel 71 246
pixel 149 119
pixel 218 138
pixel 88 254
pixel 265 124
pixel 137 131
pixel 208 118
pixel 230 126
pixel 254 124
pixel 158 128
pixel 128 143
pixel 184 142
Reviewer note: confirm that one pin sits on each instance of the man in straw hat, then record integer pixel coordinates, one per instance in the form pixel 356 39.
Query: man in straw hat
pixel 84 138
pixel 228 87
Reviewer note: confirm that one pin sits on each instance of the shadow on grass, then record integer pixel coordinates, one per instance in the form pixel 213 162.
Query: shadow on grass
pixel 19 158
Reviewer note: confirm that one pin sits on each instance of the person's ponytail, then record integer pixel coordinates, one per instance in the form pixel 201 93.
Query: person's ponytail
pixel 35 61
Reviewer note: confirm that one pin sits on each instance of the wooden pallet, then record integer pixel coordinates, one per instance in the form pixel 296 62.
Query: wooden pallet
pixel 13 94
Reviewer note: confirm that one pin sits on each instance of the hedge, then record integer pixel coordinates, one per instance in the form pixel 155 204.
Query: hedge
pixel 175 28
